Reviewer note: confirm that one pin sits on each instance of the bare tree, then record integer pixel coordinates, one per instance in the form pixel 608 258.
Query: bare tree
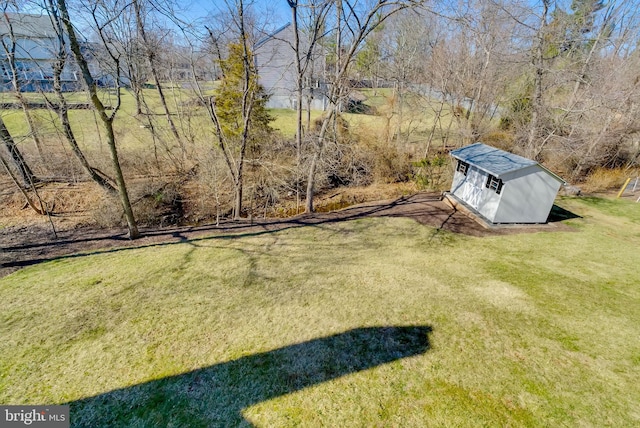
pixel 106 119
pixel 576 54
pixel 308 25
pixel 402 45
pixel 151 52
pixel 237 110
pixel 354 22
pixel 9 46
pixel 61 106
pixel 134 56
pixel 28 178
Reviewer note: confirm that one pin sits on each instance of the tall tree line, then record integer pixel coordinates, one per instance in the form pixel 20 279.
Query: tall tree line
pixel 553 80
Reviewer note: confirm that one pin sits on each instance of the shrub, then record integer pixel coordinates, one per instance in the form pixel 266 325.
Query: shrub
pixel 158 205
pixel 431 173
pixel 154 204
pixel 108 212
pixel 603 179
pixel 500 139
pixel 390 164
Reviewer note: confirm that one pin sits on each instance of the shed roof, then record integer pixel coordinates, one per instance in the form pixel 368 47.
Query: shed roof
pixel 494 161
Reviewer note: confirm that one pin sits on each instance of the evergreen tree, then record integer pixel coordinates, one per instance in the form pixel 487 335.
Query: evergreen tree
pixel 232 91
pixel 240 115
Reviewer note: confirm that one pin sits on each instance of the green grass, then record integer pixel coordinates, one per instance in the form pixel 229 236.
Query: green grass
pixel 285 120
pixel 418 117
pixel 128 126
pixel 130 129
pixel 534 329
pixel 377 97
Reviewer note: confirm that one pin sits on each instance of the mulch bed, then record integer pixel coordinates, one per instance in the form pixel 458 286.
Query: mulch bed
pixel 22 246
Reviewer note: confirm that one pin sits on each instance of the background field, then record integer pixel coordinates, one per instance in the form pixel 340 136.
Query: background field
pixel 187 181
pixel 534 329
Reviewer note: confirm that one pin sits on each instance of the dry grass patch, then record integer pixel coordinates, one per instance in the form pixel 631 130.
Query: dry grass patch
pixel 606 179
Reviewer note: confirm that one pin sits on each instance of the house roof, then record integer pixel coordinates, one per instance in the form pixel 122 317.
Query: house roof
pixel 268 37
pixel 27 25
pixel 495 161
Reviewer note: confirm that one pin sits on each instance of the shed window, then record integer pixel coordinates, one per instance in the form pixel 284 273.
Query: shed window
pixel 494 184
pixel 462 167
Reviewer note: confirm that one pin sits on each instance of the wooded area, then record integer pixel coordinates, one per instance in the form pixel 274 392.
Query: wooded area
pixel 178 120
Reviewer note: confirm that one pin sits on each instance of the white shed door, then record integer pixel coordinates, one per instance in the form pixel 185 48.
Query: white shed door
pixel 474 184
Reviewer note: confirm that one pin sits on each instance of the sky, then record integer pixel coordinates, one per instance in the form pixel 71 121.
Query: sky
pixel 277 10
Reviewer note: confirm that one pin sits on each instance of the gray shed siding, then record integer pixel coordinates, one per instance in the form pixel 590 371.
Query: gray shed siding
pixel 529 198
pixel 527 192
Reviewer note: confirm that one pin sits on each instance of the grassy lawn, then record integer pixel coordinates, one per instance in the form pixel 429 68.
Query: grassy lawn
pixel 130 129
pixel 285 120
pixel 371 322
pixel 418 117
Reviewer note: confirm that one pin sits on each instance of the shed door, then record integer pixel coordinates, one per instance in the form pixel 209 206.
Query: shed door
pixel 474 185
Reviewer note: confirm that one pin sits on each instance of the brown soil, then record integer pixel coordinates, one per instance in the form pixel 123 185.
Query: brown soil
pixel 28 245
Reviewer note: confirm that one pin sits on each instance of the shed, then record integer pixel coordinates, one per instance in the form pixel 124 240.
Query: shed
pixel 502 187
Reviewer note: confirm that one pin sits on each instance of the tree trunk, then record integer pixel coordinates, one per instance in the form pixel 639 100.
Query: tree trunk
pixel 136 88
pixel 311 183
pixel 293 4
pixel 237 206
pixel 63 109
pixel 298 143
pixel 106 120
pixel 122 188
pixel 311 178
pixel 25 172
pixel 247 107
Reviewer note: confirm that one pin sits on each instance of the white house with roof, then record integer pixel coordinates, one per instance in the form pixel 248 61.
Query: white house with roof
pixel 34 42
pixel 502 187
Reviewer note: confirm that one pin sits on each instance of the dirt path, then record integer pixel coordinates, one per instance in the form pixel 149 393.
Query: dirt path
pixel 25 246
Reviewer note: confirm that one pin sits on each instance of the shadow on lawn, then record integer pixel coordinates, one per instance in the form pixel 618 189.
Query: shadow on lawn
pixel 424 208
pixel 216 395
pixel 560 214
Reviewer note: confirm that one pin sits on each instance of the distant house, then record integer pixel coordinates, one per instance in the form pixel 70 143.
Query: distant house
pixel 502 187
pixel 275 61
pixel 36 45
pixel 185 67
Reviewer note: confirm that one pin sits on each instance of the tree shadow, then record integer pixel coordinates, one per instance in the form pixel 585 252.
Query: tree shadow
pixel 558 214
pixel 216 395
pixel 424 208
